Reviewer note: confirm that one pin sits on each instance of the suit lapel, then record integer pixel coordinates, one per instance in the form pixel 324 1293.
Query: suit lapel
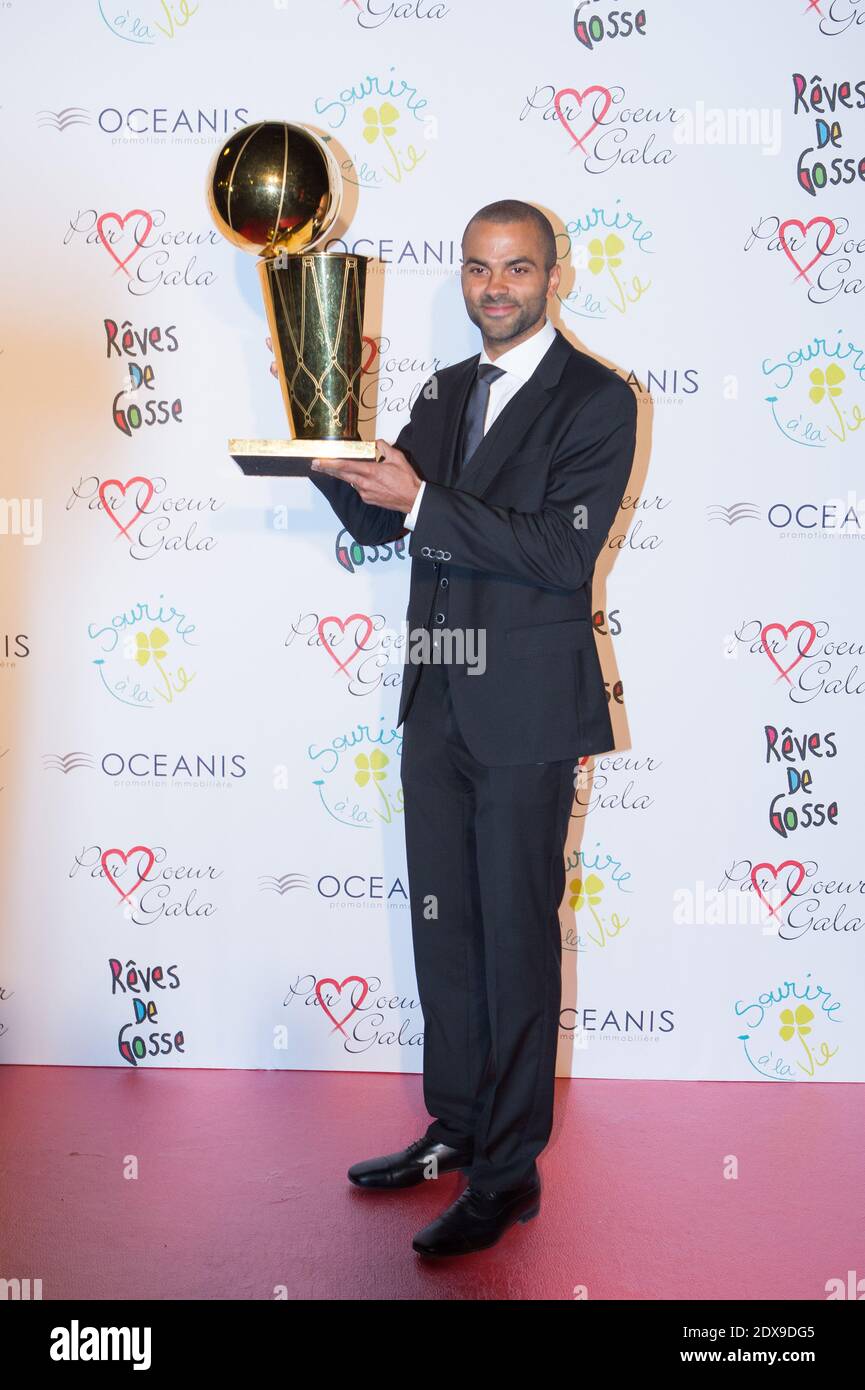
pixel 511 425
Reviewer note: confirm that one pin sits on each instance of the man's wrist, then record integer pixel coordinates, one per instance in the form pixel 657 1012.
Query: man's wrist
pixel 412 515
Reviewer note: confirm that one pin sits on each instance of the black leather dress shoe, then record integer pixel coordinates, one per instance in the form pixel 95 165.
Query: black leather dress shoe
pixel 477 1219
pixel 406 1168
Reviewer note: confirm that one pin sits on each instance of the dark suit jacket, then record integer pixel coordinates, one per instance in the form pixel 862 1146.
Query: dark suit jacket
pixel 503 533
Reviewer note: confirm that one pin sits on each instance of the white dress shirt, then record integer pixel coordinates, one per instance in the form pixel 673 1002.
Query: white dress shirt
pixel 517 365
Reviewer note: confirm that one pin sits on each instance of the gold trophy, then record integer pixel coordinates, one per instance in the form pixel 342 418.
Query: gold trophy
pixel 275 190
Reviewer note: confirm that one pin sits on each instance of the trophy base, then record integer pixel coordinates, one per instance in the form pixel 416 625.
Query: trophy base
pixel 291 458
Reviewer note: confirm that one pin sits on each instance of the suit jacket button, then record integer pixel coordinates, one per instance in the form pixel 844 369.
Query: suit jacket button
pixel 440 617
pixel 443 583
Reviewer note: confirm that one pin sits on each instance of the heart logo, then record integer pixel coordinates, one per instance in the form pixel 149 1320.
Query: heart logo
pixel 136 849
pixel 115 217
pixel 331 618
pixel 349 979
pixel 804 228
pixel 580 97
pixel 115 482
pixel 779 627
pixel 770 868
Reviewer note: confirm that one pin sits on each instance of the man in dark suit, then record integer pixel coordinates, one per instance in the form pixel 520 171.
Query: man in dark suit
pixel 508 476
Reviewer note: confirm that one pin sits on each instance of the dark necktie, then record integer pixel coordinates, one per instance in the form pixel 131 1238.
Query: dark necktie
pixel 476 409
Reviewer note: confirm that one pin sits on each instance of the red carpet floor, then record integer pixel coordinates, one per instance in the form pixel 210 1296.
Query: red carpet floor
pixel 241 1189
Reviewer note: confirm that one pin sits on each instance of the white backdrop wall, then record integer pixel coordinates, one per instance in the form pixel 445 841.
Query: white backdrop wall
pixel 183 680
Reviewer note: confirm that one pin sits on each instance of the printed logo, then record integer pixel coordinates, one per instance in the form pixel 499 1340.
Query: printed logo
pixel 140 511
pixel 140 769
pixel 147 884
pixel 338 891
pixel 791 1030
pixel 592 895
pixel 824 224
pixel 816 171
pixel 840 518
pixel 141 651
pixel 152 22
pixel 358 1012
pixel 351 555
pixel 372 14
pixel 359 994
pixel 610 244
pixel 838 19
pixel 284 883
pixel 149 858
pixel 592 26
pixel 14 647
pixel 794 807
pixel 128 343
pixel 134 981
pixel 357 782
pixel 359 648
pixel 664 385
pixel 618 782
pixel 391 382
pixel 388 116
pixel 140 245
pixel 792 901
pixel 807 662
pixel 736 512
pixel 594 125
pixel 815 401
pixel 157 125
pixel 826 257
pixel 64 120
pixel 580 1027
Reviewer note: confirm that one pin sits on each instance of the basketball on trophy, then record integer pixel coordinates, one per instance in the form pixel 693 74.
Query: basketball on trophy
pixel 273 187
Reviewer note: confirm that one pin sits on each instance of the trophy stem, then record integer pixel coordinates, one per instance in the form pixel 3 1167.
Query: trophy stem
pixel 314 302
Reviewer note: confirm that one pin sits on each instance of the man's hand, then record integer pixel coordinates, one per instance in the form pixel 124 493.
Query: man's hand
pixel 389 482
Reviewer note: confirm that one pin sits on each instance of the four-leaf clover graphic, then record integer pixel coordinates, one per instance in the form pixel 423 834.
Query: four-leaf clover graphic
pixel 585 891
pixel 606 253
pixel 153 645
pixel 379 122
pixel 798 1024
pixel 826 383
pixel 370 767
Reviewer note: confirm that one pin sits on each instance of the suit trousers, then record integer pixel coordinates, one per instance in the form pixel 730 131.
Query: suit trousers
pixel 485 856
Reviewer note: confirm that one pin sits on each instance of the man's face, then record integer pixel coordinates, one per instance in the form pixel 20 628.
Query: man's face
pixel 505 286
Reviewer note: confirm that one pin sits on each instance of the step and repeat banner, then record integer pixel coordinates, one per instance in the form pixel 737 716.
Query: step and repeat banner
pixel 202 827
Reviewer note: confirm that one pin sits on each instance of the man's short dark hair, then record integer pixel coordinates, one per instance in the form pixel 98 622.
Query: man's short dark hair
pixel 513 210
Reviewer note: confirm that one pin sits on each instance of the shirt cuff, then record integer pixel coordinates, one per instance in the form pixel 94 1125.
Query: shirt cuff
pixel 411 517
